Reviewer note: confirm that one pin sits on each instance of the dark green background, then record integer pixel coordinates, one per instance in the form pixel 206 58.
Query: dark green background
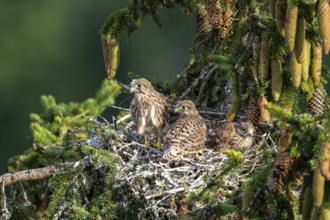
pixel 53 47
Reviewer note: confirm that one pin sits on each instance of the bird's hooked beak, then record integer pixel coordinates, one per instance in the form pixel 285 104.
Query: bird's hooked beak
pixel 132 89
pixel 250 132
pixel 177 109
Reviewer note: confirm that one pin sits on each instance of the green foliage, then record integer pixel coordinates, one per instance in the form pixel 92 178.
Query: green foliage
pixel 53 130
pixel 52 127
pixel 130 18
pixel 56 135
pixel 256 202
pixel 225 209
pixel 308 88
pixel 227 67
pixel 234 158
pixel 74 189
pixel 61 185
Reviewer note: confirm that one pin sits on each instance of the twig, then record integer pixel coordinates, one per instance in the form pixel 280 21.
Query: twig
pixel 195 82
pixel 120 108
pixel 124 118
pixel 4 210
pixel 212 113
pixel 159 201
pixel 171 191
pixel 123 85
pixel 205 80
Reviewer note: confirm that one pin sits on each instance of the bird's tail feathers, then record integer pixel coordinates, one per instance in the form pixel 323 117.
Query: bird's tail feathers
pixel 171 153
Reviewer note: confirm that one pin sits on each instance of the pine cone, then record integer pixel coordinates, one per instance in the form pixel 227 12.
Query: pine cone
pixel 228 19
pixel 291 25
pixel 253 114
pixel 316 103
pixel 323 18
pixel 203 25
pixel 264 113
pixel 282 166
pixel 234 108
pixel 214 10
pixel 300 39
pixel 316 64
pixel 325 211
pixel 295 70
pixel 306 198
pixel 280 18
pixel 318 188
pixel 276 74
pixel 324 160
pixel 306 60
pixel 110 48
pixel 264 61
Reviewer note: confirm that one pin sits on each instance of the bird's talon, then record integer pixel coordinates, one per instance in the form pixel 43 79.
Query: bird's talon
pixel 200 152
pixel 146 141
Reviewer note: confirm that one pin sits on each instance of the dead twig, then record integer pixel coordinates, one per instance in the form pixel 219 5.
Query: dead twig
pixel 202 75
pixel 171 191
pixel 44 172
pixel 204 83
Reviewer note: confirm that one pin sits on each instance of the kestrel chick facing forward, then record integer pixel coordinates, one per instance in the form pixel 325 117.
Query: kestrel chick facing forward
pixel 224 135
pixel 149 109
pixel 187 134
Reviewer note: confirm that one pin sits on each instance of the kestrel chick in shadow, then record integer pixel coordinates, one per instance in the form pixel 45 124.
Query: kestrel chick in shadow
pixel 224 135
pixel 149 110
pixel 187 134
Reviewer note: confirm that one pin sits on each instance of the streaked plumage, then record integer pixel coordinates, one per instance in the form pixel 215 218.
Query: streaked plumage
pixel 224 135
pixel 188 133
pixel 149 109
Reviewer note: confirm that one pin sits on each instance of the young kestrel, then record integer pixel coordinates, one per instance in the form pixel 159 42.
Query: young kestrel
pixel 187 134
pixel 224 135
pixel 149 110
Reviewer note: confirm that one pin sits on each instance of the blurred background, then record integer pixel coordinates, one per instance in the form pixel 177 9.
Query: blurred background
pixel 53 47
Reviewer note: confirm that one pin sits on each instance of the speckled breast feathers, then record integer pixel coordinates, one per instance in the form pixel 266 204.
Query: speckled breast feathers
pixel 187 135
pixel 149 108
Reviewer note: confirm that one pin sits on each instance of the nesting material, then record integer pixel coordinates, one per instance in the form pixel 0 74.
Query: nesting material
pixel 161 186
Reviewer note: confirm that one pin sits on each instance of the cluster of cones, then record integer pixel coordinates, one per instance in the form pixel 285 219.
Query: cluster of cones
pixel 211 16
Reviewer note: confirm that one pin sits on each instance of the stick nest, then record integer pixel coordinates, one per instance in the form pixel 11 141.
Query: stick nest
pixel 173 189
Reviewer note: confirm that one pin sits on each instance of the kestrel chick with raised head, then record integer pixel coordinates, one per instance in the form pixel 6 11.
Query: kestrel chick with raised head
pixel 224 135
pixel 149 110
pixel 187 134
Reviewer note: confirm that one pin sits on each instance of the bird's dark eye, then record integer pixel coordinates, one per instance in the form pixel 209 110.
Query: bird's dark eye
pixel 183 107
pixel 139 85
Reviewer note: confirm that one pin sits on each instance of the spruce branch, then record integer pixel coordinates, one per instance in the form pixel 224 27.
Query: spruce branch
pixel 283 115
